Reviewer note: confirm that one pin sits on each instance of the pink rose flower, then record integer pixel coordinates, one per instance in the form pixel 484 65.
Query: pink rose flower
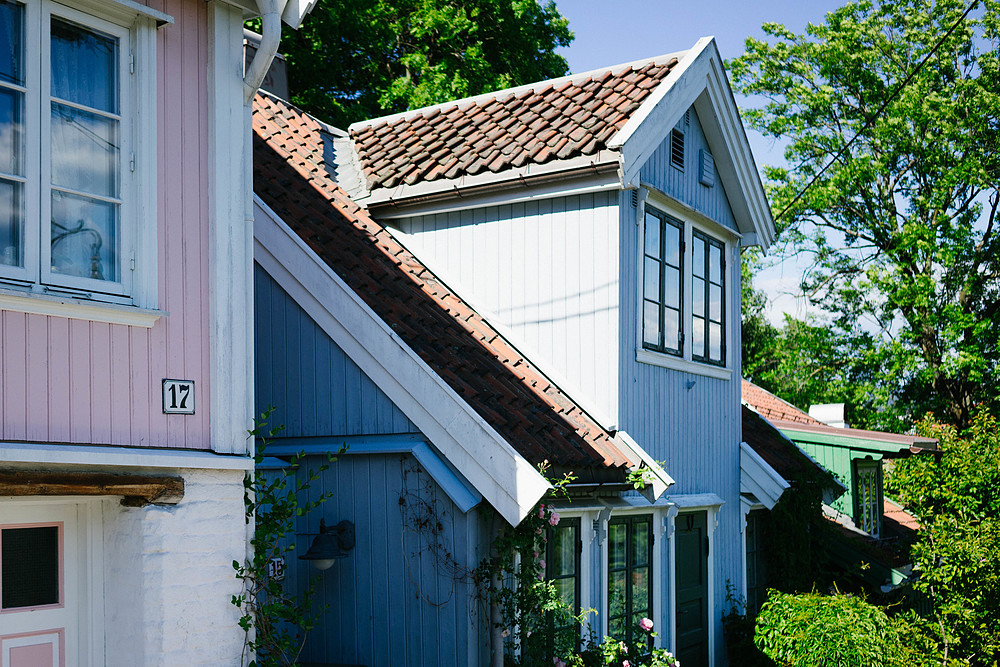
pixel 505 633
pixel 646 624
pixel 554 519
pixel 541 564
pixel 626 663
pixel 541 512
pixel 556 662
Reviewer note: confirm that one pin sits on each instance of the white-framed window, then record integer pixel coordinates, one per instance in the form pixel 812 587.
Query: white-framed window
pixel 685 306
pixel 868 496
pixel 77 151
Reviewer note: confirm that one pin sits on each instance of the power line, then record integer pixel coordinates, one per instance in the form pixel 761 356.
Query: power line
pixel 871 120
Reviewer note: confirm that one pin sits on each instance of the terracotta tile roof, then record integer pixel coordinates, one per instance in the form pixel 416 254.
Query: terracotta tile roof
pixel 521 404
pixel 553 120
pixel 772 407
pixel 783 455
pixel 891 511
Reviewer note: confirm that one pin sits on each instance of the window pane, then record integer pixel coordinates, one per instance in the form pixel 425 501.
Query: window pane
pixel 698 297
pixel 84 66
pixel 11 223
pixel 566 589
pixel 671 330
pixel 672 248
pixel 715 303
pixel 563 561
pixel 652 245
pixel 11 132
pixel 84 151
pixel 640 544
pixel 651 279
pixel 616 628
pixel 672 290
pixel 84 237
pixel 715 342
pixel 11 42
pixel 640 589
pixel 698 257
pixel 698 337
pixel 616 546
pixel 651 323
pixel 715 263
pixel 30 566
pixel 616 593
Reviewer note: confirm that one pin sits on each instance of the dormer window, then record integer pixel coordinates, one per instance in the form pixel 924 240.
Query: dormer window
pixel 684 302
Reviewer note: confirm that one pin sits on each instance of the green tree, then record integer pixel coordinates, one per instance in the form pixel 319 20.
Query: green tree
pixel 956 497
pixel 358 59
pixel 902 227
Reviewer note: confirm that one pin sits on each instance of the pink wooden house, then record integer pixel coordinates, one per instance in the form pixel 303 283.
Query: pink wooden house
pixel 125 331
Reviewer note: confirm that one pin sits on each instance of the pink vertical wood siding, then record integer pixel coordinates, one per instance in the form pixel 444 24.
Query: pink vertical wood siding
pixel 90 382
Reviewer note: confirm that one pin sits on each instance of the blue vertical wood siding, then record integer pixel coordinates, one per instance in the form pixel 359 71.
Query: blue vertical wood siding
pixel 403 595
pixel 316 389
pixel 685 185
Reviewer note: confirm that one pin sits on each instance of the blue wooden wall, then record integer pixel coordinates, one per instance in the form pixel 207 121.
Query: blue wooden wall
pixel 684 186
pixel 403 595
pixel 316 389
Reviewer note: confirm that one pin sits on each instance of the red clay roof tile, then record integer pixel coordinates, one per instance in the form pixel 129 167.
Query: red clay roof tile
pixel 533 415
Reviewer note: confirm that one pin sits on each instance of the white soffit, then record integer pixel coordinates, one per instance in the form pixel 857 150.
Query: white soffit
pixel 505 478
pixel 699 80
pixel 758 478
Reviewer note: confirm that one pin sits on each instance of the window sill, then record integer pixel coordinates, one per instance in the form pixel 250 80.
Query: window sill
pixel 78 309
pixel 644 356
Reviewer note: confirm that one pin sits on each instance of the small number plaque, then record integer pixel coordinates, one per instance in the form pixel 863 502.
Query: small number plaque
pixel 178 397
pixel 276 568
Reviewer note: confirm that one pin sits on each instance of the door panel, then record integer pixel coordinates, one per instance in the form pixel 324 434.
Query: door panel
pixel 691 535
pixel 40 592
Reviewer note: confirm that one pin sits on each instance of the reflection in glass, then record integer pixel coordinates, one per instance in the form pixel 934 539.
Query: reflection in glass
pixel 616 551
pixel 672 290
pixel 652 245
pixel 84 239
pixel 11 42
pixel 563 559
pixel 715 263
pixel 671 329
pixel 640 544
pixel 672 245
pixel 715 342
pixel 715 303
pixel 651 279
pixel 640 590
pixel 698 257
pixel 11 132
pixel 651 323
pixel 84 151
pixel 698 297
pixel 616 593
pixel 698 337
pixel 11 223
pixel 84 66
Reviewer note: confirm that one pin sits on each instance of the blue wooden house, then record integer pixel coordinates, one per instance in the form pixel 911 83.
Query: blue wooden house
pixel 550 274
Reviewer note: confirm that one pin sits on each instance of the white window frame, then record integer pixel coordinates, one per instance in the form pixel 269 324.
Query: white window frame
pixel 691 220
pixel 33 288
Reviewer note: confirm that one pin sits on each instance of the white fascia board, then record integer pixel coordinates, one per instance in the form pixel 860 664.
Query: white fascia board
pixel 295 12
pixel 505 478
pixel 699 80
pixel 553 175
pixel 123 457
pixel 659 481
pixel 758 478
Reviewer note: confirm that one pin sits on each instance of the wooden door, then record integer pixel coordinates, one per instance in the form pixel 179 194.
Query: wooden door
pixel 40 570
pixel 692 603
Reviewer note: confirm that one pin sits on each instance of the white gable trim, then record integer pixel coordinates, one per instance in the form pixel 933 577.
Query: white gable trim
pixel 758 478
pixel 699 79
pixel 505 478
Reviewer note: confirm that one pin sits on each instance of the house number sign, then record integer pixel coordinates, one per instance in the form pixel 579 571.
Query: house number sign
pixel 178 397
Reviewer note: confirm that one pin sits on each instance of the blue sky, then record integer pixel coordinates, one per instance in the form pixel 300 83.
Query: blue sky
pixel 609 33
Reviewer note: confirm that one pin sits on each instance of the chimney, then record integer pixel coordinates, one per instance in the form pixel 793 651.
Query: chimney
pixel 831 414
pixel 276 79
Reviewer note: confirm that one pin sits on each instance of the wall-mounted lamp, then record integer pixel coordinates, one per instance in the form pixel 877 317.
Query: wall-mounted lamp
pixel 331 544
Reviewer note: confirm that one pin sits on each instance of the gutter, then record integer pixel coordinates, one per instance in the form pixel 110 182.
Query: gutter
pixel 270 16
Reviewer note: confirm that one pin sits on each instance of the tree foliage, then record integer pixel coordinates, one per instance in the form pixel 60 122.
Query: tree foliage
pixel 957 500
pixel 902 228
pixel 358 59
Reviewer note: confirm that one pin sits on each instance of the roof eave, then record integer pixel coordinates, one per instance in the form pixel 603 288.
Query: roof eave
pixel 699 79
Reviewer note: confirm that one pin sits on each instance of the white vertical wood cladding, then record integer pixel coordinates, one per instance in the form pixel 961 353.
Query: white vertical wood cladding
pixel 684 186
pixel 549 271
pixel 316 389
pixel 403 596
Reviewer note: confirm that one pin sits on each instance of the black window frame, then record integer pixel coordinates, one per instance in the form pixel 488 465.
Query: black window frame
pixel 709 243
pixel 664 221
pixel 550 545
pixel 631 628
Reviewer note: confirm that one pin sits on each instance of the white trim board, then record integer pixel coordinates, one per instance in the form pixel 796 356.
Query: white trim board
pixel 760 479
pixel 126 457
pixel 505 478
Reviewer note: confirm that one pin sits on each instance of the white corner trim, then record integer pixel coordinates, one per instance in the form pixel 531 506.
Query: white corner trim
pixel 661 481
pixel 124 457
pixel 36 303
pixel 760 479
pixel 505 478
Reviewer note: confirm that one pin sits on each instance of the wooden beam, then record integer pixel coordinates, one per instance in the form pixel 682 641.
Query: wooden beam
pixel 138 490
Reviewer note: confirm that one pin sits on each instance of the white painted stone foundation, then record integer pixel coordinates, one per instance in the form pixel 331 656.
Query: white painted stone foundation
pixel 169 579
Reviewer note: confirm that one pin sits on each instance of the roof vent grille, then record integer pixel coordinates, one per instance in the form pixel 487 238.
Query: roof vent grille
pixel 677 149
pixel 706 168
